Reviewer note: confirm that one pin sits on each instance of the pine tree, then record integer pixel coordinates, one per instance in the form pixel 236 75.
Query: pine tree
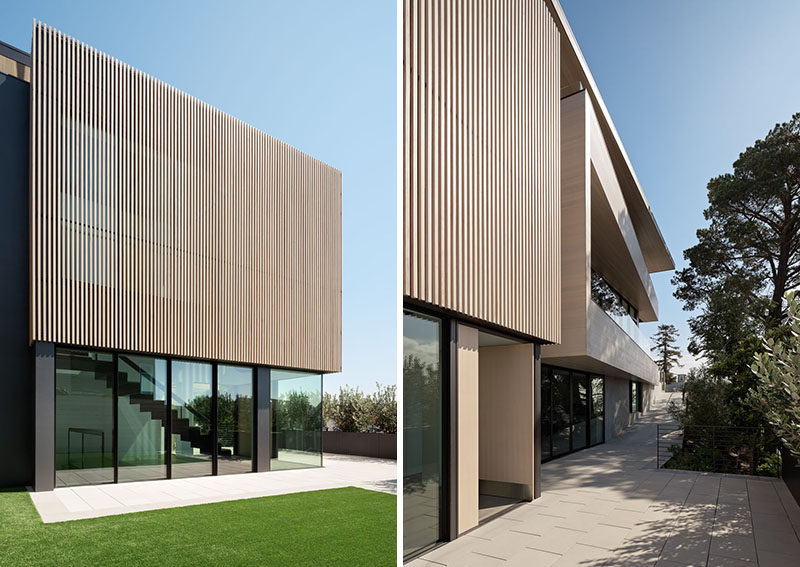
pixel 666 348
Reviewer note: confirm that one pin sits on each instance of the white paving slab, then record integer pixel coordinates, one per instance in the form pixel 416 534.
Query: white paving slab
pixel 609 506
pixel 74 503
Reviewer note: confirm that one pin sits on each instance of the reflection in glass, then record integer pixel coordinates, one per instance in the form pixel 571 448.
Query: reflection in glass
pixel 296 407
pixel 561 412
pixel 191 442
pixel 84 420
pixel 580 410
pixel 422 431
pixel 142 417
pixel 234 419
pixel 634 396
pixel 596 425
pixel 546 405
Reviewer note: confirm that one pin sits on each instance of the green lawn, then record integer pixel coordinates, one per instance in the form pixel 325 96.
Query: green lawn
pixel 344 526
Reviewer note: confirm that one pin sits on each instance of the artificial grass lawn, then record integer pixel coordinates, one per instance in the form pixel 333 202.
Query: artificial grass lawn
pixel 343 526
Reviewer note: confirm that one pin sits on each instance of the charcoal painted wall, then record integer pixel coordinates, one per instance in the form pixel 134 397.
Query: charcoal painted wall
pixel 618 414
pixel 16 383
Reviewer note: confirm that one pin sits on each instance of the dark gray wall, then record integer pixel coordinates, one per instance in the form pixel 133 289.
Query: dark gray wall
pixel 16 383
pixel 379 445
pixel 618 415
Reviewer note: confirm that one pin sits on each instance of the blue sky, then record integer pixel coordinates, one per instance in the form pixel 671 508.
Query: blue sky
pixel 689 86
pixel 317 75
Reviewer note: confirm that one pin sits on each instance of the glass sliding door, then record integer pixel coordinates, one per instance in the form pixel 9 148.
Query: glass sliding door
pixel 84 420
pixel 597 421
pixel 573 411
pixel 561 411
pixel 192 441
pixel 546 407
pixel 422 431
pixel 580 410
pixel 296 407
pixel 141 417
pixel 234 419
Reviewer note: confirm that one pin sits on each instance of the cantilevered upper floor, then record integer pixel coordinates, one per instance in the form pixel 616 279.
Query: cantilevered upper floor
pixel 610 242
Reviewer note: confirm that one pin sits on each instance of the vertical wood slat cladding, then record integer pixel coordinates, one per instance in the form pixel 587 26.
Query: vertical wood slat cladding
pixel 481 172
pixel 160 224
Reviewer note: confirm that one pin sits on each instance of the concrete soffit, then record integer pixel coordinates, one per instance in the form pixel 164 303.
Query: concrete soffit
pixel 654 248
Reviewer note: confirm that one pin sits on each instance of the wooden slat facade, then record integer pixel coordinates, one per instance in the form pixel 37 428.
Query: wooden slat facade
pixel 162 225
pixel 481 171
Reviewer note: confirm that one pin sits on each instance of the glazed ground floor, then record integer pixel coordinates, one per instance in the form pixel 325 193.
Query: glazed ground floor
pixel 113 417
pixel 482 411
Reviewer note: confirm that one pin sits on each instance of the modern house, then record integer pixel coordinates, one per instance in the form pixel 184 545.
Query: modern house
pixel 172 288
pixel 528 246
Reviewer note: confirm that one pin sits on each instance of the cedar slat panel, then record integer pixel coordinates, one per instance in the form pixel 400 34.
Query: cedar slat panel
pixel 481 144
pixel 161 225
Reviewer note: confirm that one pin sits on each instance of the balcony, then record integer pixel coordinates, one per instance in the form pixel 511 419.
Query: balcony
pixel 630 327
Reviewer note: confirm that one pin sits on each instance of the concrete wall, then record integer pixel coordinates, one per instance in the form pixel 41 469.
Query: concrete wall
pixel 618 415
pixel 16 401
pixel 506 413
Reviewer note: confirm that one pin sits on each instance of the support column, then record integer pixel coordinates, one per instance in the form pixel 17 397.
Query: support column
pixel 44 370
pixel 467 427
pixel 263 432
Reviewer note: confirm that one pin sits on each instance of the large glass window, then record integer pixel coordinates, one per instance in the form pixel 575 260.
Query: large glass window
pixel 597 422
pixel 635 396
pixel 296 408
pixel 610 300
pixel 573 411
pixel 422 431
pixel 580 410
pixel 234 419
pixel 546 405
pixel 192 441
pixel 142 417
pixel 561 412
pixel 84 417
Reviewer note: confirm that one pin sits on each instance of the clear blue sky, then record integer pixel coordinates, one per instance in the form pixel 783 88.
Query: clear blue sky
pixel 689 86
pixel 317 75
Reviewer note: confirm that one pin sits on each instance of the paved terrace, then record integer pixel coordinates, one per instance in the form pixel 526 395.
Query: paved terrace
pixel 610 506
pixel 107 499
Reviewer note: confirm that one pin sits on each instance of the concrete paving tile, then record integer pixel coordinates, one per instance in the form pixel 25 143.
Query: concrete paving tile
pixel 668 563
pixel 558 540
pixel 687 549
pixel 583 556
pixel 98 497
pixel 722 561
pixel 71 500
pixel 455 553
pixel 623 519
pixel 734 546
pixel 771 522
pixel 507 544
pixel 636 553
pixel 772 559
pixel 581 520
pixel 422 563
pixel 528 557
pixel 605 537
pixel 777 542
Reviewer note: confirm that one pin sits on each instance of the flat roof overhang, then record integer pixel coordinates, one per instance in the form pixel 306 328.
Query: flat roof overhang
pixel 575 74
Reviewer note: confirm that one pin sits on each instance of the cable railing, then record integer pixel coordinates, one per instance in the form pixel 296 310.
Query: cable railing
pixel 717 449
